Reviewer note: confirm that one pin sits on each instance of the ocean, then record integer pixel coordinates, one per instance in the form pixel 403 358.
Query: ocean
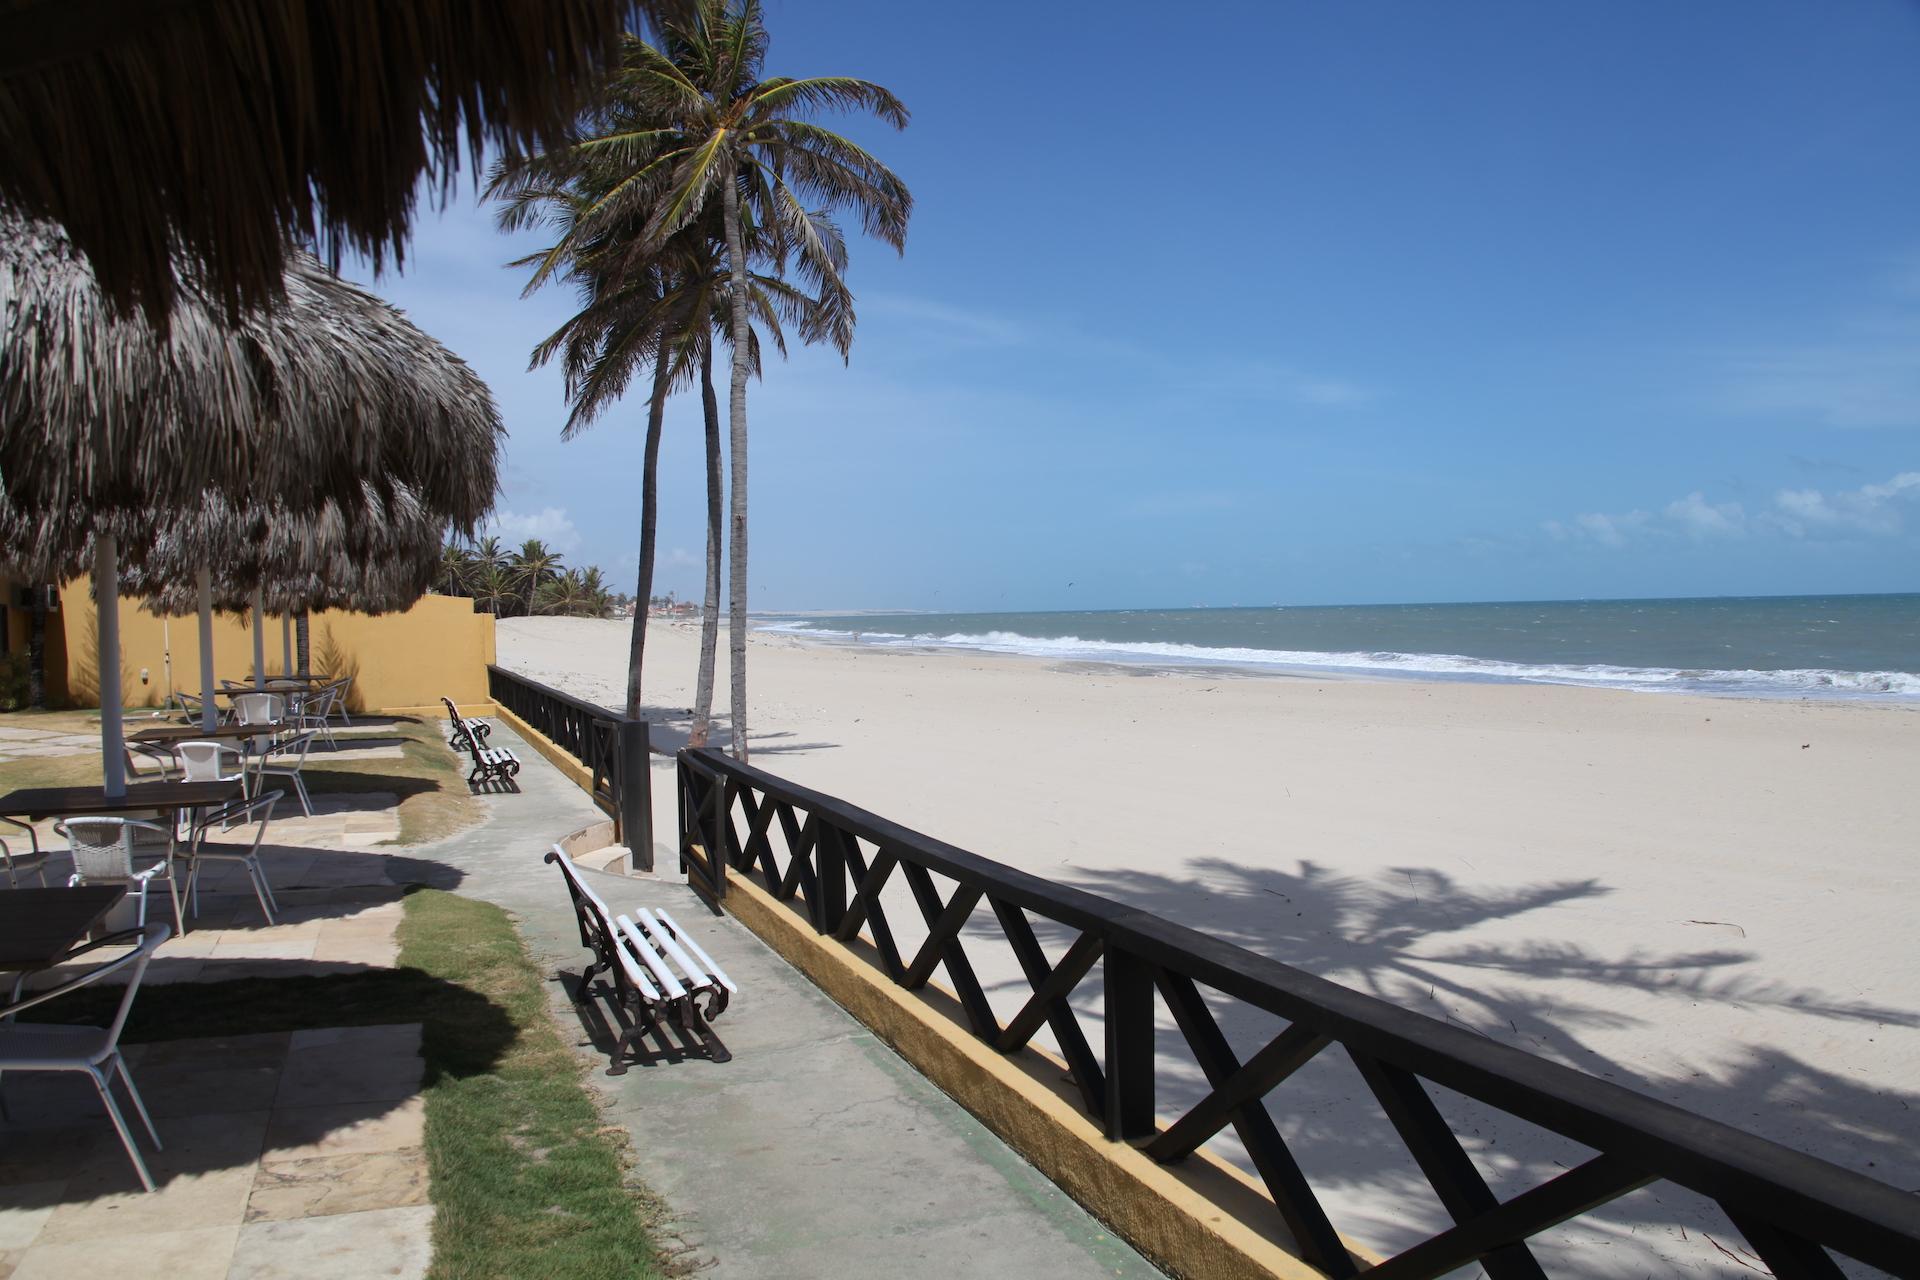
pixel 1855 647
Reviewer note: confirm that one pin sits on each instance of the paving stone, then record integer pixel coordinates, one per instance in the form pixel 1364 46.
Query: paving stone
pixel 24 1209
pixel 203 1254
pixel 349 1183
pixel 380 1244
pixel 301 1133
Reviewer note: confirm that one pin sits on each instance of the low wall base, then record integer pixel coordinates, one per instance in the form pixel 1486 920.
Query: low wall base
pixel 1183 1218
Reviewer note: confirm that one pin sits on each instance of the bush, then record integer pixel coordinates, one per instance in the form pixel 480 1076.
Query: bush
pixel 14 671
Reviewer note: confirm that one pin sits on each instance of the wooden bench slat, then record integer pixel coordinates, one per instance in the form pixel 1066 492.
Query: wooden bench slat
pixel 686 940
pixel 662 972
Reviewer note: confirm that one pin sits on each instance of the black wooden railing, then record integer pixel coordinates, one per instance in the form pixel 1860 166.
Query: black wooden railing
pixel 1794 1210
pixel 612 748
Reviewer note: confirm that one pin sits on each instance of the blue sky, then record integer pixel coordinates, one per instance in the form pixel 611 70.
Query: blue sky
pixel 1312 303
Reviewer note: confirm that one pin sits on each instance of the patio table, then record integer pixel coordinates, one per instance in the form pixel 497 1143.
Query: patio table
pixel 38 926
pixel 69 802
pixel 193 733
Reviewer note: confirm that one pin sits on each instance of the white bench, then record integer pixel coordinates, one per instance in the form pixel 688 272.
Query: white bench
pixel 474 725
pixel 657 970
pixel 489 763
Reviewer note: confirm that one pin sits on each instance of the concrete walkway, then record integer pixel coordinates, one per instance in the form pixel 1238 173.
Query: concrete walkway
pixel 816 1151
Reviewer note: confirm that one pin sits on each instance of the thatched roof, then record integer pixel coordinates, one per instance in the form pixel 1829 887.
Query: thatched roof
pixel 300 405
pixel 217 128
pixel 378 555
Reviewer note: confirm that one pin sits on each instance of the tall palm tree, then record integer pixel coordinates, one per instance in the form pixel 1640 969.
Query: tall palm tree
pixel 704 134
pixel 645 300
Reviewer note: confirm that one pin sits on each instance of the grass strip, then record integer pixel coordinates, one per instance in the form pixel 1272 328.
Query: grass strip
pixel 526 1179
pixel 429 779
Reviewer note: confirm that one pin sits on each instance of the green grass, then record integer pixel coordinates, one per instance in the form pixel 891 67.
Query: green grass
pixel 527 1181
pixel 428 777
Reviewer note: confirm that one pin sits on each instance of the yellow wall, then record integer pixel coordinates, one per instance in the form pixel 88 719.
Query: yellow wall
pixel 440 647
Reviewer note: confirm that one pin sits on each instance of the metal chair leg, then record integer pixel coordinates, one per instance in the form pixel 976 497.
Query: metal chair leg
pixel 126 1078
pixel 120 1126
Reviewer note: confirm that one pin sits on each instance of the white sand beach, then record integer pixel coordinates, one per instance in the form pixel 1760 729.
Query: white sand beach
pixel 1709 900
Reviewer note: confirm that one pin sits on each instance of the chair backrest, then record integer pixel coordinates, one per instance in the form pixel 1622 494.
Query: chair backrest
pixel 132 963
pixel 295 749
pixel 102 847
pixel 206 761
pixel 241 812
pixel 260 708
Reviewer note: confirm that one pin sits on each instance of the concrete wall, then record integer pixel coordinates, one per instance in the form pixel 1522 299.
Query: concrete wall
pixel 398 661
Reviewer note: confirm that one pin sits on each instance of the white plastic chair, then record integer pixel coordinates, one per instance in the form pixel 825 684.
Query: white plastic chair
pixel 26 1047
pixel 292 757
pixel 19 864
pixel 240 812
pixel 102 851
pixel 268 710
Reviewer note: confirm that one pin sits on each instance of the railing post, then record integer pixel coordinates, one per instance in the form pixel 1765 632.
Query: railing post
pixel 1129 1023
pixel 635 792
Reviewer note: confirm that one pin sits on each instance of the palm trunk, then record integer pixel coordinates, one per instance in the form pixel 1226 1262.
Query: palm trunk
pixel 710 607
pixel 303 651
pixel 737 451
pixel 37 649
pixel 649 514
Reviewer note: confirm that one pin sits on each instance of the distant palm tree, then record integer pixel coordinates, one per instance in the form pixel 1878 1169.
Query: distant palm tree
pixel 565 594
pixel 492 586
pixel 487 557
pixel 596 602
pixel 532 567
pixel 456 563
pixel 702 142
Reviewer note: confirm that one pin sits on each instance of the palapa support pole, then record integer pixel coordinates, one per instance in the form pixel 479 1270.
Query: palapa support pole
pixel 106 603
pixel 286 644
pixel 259 641
pixel 208 714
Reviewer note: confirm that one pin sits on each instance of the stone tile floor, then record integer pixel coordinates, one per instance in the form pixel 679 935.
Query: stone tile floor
pixel 287 1155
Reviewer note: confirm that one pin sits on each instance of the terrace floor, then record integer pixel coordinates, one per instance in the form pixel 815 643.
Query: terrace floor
pixel 815 1152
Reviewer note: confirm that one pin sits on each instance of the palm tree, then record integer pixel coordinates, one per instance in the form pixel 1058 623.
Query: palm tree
pixel 456 563
pixel 660 302
pixel 563 594
pixel 485 560
pixel 704 136
pixel 532 567
pixel 596 601
pixel 492 586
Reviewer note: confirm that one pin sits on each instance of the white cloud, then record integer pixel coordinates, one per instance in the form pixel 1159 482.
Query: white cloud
pixel 1703 519
pixel 1872 510
pixel 550 524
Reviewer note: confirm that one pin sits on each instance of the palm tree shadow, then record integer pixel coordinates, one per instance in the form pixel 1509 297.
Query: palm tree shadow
pixel 1394 938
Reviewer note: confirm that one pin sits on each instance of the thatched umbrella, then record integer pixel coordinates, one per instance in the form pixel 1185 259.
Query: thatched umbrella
pixel 212 129
pixel 113 433
pixel 104 412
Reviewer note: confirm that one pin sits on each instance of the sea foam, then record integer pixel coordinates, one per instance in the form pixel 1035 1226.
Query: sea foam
pixel 1439 666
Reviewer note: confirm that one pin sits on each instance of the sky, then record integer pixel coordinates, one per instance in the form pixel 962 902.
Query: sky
pixel 1307 303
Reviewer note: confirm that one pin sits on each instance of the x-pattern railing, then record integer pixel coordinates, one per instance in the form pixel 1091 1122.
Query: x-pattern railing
pixel 1794 1210
pixel 588 733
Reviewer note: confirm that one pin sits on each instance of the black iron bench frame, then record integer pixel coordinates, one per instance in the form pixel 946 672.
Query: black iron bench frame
pixel 637 992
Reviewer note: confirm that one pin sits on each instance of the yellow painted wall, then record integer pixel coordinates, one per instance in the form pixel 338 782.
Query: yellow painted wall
pixel 440 647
